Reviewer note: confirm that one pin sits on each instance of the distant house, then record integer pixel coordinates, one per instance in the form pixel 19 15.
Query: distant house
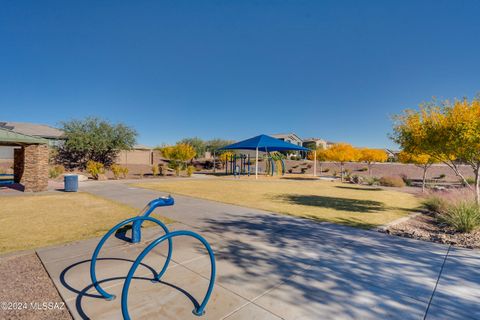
pixel 289 137
pixel 392 155
pixel 319 143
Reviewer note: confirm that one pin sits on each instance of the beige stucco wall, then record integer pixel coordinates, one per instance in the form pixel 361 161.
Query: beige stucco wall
pixel 135 157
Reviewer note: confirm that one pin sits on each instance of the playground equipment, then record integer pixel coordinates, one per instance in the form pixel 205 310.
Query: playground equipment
pixel 275 163
pixel 136 236
pixel 238 164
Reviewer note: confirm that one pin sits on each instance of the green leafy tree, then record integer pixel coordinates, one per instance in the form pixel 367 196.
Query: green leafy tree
pixel 215 144
pixel 198 145
pixel 93 139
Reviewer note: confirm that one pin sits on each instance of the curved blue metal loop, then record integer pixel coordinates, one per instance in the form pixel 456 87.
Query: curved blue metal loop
pixel 93 262
pixel 201 308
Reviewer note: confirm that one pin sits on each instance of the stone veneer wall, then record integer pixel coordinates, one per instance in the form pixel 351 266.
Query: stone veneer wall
pixel 31 167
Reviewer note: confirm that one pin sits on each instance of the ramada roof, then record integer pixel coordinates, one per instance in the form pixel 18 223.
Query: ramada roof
pixel 32 129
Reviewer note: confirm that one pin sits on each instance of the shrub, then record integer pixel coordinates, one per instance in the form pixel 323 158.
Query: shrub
pixel 116 170
pixel 155 170
pixel 463 216
pixel 290 170
pixel 405 179
pixel 356 179
pixel 56 171
pixel 303 170
pixel 190 170
pixel 372 181
pixel 309 166
pixel 363 169
pixel 124 172
pixel 435 203
pixel 326 170
pixel 470 180
pixel 392 181
pixel 95 168
pixel 162 169
pixel 441 176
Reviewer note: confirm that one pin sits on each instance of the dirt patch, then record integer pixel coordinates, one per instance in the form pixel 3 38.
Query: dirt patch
pixel 27 290
pixel 426 227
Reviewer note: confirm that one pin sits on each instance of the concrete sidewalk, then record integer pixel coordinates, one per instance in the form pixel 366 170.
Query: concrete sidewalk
pixel 268 267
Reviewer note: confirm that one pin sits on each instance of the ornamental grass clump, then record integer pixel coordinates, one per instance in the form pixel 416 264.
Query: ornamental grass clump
pixel 435 203
pixel 463 216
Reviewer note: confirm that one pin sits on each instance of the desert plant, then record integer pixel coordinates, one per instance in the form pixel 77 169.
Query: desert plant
pixel 155 170
pixel 95 168
pixel 116 170
pixel 463 216
pixel 93 139
pixel 124 172
pixel 56 171
pixel 392 181
pixel 363 169
pixel 303 170
pixel 356 179
pixel 441 176
pixel 190 170
pixel 435 203
pixel 372 181
pixel 326 170
pixel 162 169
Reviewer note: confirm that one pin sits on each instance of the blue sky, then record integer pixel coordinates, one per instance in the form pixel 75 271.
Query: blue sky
pixel 234 69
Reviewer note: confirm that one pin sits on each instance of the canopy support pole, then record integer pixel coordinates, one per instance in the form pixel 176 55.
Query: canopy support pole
pixel 256 163
pixel 315 163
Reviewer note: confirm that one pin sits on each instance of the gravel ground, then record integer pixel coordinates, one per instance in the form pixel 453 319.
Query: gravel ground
pixel 426 227
pixel 26 290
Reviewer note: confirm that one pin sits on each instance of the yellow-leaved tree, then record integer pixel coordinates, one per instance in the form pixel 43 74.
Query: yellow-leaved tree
pixel 447 131
pixel 341 153
pixel 178 155
pixel 423 161
pixel 371 156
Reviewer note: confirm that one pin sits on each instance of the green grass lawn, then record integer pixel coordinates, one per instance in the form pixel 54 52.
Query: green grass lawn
pixel 347 204
pixel 39 220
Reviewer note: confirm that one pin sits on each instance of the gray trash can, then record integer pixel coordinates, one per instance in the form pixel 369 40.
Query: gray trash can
pixel 70 182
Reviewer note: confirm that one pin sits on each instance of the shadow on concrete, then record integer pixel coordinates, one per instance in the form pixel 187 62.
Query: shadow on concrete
pixel 330 265
pixel 81 293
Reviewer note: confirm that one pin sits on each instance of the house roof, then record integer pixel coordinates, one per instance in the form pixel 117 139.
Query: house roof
pixel 32 129
pixel 264 143
pixel 284 135
pixel 11 138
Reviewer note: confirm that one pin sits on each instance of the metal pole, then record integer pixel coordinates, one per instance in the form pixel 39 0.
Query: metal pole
pixel 315 163
pixel 256 163
pixel 214 167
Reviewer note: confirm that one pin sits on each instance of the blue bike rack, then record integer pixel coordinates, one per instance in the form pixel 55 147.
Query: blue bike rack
pixel 149 208
pixel 136 236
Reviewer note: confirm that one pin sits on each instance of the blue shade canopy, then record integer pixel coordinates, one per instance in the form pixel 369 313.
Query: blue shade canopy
pixel 264 143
